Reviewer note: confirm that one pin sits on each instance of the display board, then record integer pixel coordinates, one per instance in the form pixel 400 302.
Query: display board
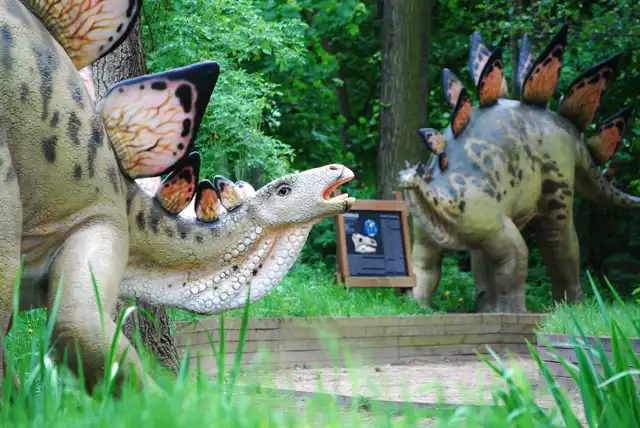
pixel 373 245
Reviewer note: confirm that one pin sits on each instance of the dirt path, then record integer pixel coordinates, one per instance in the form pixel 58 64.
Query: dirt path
pixel 453 382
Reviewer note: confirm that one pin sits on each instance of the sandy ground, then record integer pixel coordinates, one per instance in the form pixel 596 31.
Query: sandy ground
pixel 452 382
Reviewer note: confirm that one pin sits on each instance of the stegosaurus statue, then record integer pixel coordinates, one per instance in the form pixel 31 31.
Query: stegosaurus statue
pixel 70 206
pixel 503 163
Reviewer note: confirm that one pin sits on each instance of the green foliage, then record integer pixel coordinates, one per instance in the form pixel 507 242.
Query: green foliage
pixel 589 315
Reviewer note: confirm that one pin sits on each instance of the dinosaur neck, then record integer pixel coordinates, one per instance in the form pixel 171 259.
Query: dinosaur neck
pixel 203 267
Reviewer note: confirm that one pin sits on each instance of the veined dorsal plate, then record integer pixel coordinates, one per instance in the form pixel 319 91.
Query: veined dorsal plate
pixel 489 85
pixel 605 142
pixel 540 82
pixel 153 120
pixel 452 86
pixel 582 99
pixel 87 29
pixel 177 190
pixel 478 56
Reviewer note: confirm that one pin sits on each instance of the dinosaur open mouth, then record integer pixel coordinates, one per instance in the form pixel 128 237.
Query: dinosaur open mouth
pixel 342 197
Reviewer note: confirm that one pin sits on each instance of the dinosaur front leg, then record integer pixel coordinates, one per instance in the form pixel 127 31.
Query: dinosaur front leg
pixel 483 278
pixel 103 248
pixel 10 238
pixel 560 250
pixel 507 252
pixel 427 265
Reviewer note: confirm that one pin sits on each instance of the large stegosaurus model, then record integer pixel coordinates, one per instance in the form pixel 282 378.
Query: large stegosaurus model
pixel 70 205
pixel 499 165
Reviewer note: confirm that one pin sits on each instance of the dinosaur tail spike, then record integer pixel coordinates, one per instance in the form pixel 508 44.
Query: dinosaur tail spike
pixel 87 30
pixel 582 99
pixel 540 82
pixel 605 142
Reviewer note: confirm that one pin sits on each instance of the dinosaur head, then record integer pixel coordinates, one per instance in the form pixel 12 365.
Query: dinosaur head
pixel 410 177
pixel 301 198
pixel 230 242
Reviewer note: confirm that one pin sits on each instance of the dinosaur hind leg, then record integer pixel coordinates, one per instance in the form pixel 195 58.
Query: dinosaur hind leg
pixel 560 250
pixel 10 239
pixel 508 255
pixel 482 270
pixel 103 250
pixel 427 265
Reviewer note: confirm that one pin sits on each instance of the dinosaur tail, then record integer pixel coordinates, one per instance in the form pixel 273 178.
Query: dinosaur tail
pixel 594 185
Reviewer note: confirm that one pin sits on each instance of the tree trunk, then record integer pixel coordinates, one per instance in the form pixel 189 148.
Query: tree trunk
pixel 126 62
pixel 403 95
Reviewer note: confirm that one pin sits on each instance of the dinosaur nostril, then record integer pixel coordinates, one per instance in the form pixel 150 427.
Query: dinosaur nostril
pixel 333 167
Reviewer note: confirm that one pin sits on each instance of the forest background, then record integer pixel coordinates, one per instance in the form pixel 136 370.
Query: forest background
pixel 303 84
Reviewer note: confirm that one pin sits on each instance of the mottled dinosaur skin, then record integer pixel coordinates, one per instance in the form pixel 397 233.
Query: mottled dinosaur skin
pixel 67 205
pixel 509 162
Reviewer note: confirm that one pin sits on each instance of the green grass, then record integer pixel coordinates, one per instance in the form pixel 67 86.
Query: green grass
pixel 589 315
pixel 312 291
pixel 51 397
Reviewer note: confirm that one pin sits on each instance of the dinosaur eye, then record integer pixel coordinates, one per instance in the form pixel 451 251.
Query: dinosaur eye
pixel 283 190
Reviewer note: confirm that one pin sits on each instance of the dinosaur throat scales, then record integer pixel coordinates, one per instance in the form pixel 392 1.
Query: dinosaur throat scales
pixel 179 262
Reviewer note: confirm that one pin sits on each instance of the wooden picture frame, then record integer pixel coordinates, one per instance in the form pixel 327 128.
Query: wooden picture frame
pixel 379 207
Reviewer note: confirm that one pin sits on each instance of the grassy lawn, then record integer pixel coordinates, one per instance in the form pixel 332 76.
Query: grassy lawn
pixel 590 318
pixel 50 396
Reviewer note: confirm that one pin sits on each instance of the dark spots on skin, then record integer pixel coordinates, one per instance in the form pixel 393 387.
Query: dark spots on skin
pixel 184 95
pixel 512 183
pixel 186 127
pixel 73 127
pixel 567 192
pixel 550 166
pixel 235 268
pixel 462 205
pixel 499 197
pixel 77 171
pixel 497 174
pixel 528 151
pixel 76 91
pixel 7 41
pixel 199 238
pixel 24 92
pixel 113 178
pixel 489 191
pixel 540 143
pixel 550 187
pixel 260 266
pixel 97 133
pixel 512 170
pixel 435 201
pixel 120 26
pixel 131 192
pixel 47 64
pixel 183 228
pixel 254 272
pixel 159 86
pixel 140 220
pixel 49 148
pixel 55 119
pixel 555 205
pixel 154 218
pixel 184 284
pixel 561 217
pixel 11 175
